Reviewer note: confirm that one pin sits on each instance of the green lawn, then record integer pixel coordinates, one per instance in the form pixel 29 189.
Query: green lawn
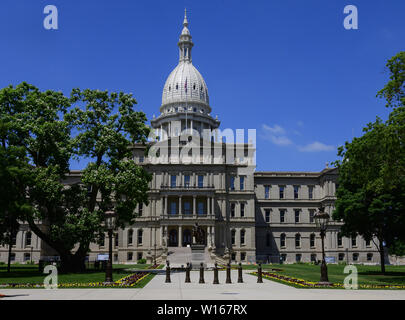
pixel 30 274
pixel 367 275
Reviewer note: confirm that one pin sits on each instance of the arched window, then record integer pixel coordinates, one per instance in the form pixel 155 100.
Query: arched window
pixel 297 240
pixel 130 236
pixel 282 240
pixel 242 236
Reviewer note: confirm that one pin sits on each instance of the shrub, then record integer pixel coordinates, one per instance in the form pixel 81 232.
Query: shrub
pixel 142 261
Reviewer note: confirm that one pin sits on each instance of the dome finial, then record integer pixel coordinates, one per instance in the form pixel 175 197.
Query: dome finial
pixel 185 22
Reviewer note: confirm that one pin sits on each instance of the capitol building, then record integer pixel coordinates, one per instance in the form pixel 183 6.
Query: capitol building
pixel 200 175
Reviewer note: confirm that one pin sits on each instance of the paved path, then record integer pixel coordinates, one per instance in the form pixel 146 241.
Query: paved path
pixel 157 289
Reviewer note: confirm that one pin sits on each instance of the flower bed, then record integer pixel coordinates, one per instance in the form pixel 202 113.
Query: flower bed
pixel 308 284
pixel 125 282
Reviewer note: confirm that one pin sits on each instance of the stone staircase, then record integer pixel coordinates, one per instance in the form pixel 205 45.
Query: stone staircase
pixel 179 256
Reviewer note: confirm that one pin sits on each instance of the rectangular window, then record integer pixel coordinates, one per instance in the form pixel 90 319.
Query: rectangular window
pixel 200 181
pixel 116 240
pixel 232 210
pixel 296 189
pixel 310 192
pixel 298 257
pixel 233 256
pixel 282 215
pixel 27 257
pixel 313 257
pixel 140 209
pixel 200 207
pixel 242 183
pixel 311 216
pixel 267 215
pixel 141 159
pixel 242 209
pixel 339 240
pixel 12 256
pixel 354 242
pixel 187 207
pixel 243 256
pixel 242 237
pixel 173 207
pixel 233 233
pixel 282 192
pixel 129 256
pixel 297 215
pixel 186 181
pixel 140 236
pixel 368 243
pixel 173 181
pixel 28 237
pixel 312 240
pixel 139 255
pixel 232 183
pixel 341 256
pixel 267 192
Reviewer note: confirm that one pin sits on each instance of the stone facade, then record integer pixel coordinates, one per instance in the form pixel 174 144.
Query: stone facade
pixel 247 216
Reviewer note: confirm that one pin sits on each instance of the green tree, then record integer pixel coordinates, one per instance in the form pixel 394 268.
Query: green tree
pixel 101 127
pixel 371 192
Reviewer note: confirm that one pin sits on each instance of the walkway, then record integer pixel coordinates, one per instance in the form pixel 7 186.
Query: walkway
pixel 157 289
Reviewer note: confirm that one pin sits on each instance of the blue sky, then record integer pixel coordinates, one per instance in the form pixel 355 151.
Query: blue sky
pixel 287 68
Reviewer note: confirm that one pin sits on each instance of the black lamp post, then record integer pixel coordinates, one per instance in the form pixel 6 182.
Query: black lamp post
pixel 110 224
pixel 322 219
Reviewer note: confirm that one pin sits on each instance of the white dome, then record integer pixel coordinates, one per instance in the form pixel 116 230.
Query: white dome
pixel 174 89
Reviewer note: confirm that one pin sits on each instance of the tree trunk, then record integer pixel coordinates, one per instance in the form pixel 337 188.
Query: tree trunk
pixel 9 255
pixel 71 263
pixel 382 256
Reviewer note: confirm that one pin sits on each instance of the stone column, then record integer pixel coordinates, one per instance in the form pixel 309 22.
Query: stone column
pixel 165 205
pixel 194 205
pixel 213 237
pixel 213 206
pixel 180 242
pixel 208 206
pixel 180 205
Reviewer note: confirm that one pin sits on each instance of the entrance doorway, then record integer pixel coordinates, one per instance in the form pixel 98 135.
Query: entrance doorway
pixel 173 242
pixel 186 237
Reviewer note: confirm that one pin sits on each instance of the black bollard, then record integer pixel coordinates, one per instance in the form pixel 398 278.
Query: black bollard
pixel 259 274
pixel 216 281
pixel 167 272
pixel 201 273
pixel 240 279
pixel 188 273
pixel 228 273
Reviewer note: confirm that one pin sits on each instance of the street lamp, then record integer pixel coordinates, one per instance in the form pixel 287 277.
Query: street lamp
pixel 110 218
pixel 322 219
